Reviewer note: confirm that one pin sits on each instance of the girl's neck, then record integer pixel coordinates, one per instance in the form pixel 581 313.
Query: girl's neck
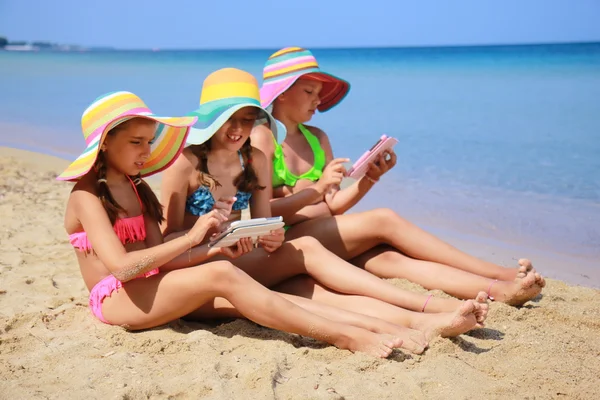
pixel 115 177
pixel 291 126
pixel 223 156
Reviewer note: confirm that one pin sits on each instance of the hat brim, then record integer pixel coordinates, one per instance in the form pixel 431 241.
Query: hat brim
pixel 211 118
pixel 333 92
pixel 169 140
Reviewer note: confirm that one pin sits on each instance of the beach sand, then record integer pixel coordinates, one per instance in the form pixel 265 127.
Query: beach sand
pixel 52 348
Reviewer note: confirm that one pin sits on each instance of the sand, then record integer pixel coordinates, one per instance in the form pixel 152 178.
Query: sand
pixel 52 348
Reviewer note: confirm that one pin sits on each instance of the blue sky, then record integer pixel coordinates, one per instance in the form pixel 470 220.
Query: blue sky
pixel 309 23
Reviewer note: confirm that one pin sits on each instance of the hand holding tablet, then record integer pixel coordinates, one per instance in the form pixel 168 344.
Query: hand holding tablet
pixel 361 166
pixel 252 228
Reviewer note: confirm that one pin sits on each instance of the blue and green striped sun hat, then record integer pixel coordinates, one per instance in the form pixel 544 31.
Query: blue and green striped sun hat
pixel 223 93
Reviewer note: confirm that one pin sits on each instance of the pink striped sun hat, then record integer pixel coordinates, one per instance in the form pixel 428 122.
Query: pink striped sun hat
pixel 114 108
pixel 286 66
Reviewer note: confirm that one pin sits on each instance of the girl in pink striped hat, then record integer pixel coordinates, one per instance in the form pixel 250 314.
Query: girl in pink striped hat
pixel 306 192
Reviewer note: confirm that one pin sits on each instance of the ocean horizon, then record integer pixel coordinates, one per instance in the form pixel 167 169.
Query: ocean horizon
pixel 496 142
pixel 56 47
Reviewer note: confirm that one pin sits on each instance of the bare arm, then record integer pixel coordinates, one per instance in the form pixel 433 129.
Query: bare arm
pixel 285 190
pixel 340 201
pixel 198 254
pixel 123 265
pixel 310 212
pixel 260 202
pixel 260 205
pixel 173 191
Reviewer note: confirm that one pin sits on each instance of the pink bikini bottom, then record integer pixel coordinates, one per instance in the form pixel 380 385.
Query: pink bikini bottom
pixel 104 289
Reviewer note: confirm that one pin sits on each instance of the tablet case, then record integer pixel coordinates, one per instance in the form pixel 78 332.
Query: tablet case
pixel 252 228
pixel 360 167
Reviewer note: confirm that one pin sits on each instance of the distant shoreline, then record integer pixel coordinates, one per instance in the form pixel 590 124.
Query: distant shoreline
pixel 81 48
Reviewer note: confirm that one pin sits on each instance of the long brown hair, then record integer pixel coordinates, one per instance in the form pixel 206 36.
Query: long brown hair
pixel 150 203
pixel 246 181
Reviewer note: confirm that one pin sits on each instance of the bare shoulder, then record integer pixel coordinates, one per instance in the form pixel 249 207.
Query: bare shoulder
pixel 84 188
pixel 83 194
pixel 318 132
pixel 262 138
pixel 262 132
pixel 185 163
pixel 323 140
pixel 258 157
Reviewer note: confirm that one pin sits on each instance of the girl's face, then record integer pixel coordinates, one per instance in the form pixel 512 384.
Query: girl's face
pixel 300 101
pixel 127 146
pixel 235 131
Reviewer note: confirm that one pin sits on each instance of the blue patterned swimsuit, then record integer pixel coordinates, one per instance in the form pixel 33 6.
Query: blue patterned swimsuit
pixel 202 200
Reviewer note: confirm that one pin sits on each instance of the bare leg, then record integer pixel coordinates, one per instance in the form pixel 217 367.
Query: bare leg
pixel 306 255
pixel 386 262
pixel 470 315
pixel 149 302
pixel 412 340
pixel 352 234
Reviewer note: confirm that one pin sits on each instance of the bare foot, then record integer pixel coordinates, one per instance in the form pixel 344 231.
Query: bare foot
pixel 525 287
pixel 481 314
pixel 412 339
pixel 376 344
pixel 452 324
pixel 539 279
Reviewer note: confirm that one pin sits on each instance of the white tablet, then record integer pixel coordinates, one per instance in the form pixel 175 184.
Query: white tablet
pixel 252 228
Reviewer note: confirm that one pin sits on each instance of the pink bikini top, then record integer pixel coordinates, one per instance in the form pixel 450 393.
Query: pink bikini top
pixel 129 229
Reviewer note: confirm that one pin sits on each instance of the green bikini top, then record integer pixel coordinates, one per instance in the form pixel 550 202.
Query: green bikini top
pixel 283 176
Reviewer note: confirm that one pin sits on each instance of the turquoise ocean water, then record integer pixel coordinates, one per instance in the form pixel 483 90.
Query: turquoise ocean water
pixel 499 143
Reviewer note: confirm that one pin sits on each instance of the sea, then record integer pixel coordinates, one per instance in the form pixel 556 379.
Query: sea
pixel 498 145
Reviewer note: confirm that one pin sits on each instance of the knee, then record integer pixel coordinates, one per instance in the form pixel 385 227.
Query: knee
pixel 301 250
pixel 223 275
pixel 391 257
pixel 308 246
pixel 306 242
pixel 387 218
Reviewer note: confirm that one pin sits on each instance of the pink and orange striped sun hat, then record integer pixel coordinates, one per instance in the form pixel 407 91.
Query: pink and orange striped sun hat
pixel 286 66
pixel 114 108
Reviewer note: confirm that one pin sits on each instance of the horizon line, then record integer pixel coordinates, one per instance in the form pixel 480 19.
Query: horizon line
pixel 354 47
pixel 157 48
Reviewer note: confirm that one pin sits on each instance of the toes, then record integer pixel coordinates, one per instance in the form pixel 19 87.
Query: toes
pixel 392 342
pixel 469 307
pixel 540 280
pixel 481 297
pixel 419 340
pixel 385 351
pixel 525 263
pixel 413 347
pixel 529 281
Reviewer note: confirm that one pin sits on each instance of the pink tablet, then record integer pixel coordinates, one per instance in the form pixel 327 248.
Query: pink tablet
pixel 361 165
